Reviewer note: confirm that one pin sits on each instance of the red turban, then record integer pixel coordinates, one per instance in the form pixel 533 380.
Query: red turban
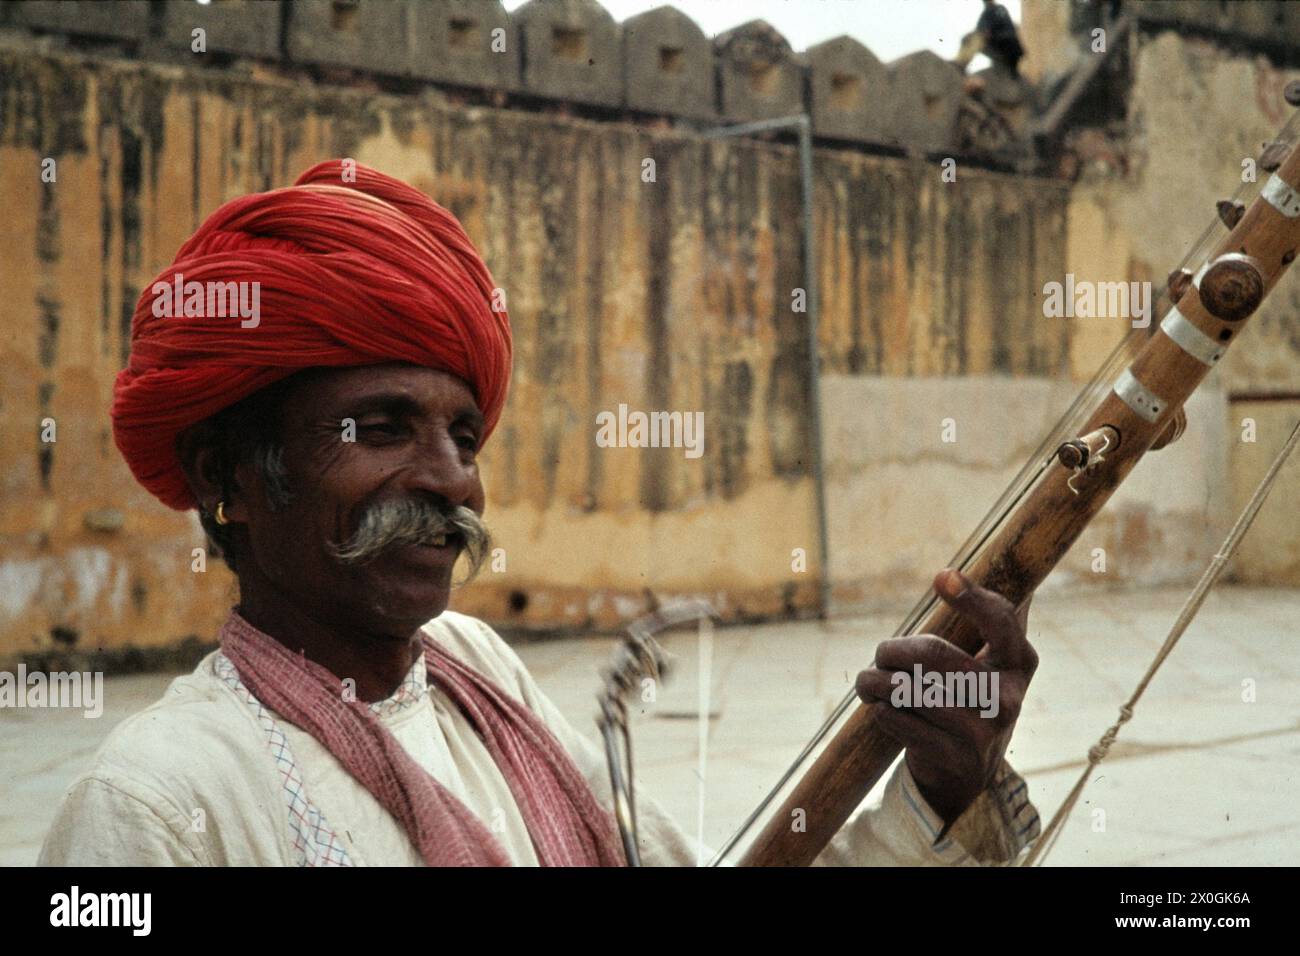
pixel 349 273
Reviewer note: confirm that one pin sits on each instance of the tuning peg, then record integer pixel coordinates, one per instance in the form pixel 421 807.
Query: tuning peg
pixel 1173 431
pixel 1273 156
pixel 1232 287
pixel 1177 284
pixel 1230 211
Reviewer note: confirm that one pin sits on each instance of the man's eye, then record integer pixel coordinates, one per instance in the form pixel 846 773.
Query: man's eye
pixel 467 442
pixel 379 429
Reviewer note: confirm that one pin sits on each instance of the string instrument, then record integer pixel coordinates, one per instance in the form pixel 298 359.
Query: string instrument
pixel 1133 405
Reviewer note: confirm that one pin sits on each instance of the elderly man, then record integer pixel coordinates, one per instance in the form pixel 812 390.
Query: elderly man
pixel 329 443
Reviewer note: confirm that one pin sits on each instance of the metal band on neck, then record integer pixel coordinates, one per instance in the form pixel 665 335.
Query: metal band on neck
pixel 1191 339
pixel 1144 402
pixel 1281 196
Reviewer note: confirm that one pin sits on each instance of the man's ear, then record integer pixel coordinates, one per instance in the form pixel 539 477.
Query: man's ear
pixel 200 460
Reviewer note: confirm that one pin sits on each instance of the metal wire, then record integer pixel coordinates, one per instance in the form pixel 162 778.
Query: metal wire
pixel 1097 753
pixel 1021 485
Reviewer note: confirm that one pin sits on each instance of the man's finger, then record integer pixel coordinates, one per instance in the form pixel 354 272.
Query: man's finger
pixel 877 686
pixel 931 652
pixel 914 731
pixel 994 617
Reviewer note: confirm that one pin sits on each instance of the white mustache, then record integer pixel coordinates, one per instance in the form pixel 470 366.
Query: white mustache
pixel 396 522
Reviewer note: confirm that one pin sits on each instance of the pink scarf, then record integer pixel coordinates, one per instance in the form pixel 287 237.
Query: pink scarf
pixel 567 825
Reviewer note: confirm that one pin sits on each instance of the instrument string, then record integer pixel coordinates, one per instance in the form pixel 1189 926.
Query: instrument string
pixel 1037 465
pixel 1021 485
pixel 1097 753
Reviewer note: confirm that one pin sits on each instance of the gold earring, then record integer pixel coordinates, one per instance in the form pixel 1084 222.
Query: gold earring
pixel 220 513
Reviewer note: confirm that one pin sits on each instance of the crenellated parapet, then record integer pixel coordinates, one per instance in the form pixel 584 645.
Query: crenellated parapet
pixel 850 91
pixel 926 98
pixel 114 19
pixel 659 63
pixel 668 65
pixel 758 75
pixel 238 29
pixel 569 50
pixel 362 36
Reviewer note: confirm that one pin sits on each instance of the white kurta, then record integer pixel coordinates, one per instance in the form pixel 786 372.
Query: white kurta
pixel 207 776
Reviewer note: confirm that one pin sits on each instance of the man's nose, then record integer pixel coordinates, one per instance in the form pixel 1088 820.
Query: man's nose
pixel 438 466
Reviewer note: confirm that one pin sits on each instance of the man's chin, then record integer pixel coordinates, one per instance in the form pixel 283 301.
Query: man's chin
pixel 403 589
pixel 401 615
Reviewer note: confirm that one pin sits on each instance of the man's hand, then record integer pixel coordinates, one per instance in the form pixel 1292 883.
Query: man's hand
pixel 953 752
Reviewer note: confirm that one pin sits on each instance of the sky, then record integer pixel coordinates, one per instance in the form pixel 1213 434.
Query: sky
pixel 889 28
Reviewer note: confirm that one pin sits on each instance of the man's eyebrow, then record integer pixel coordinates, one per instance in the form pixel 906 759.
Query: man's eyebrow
pixel 471 416
pixel 395 403
pixel 401 404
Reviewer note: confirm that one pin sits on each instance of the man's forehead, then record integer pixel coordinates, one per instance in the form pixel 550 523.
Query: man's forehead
pixel 343 390
pixel 396 377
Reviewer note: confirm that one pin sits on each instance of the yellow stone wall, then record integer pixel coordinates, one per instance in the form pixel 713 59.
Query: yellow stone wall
pixel 1195 113
pixel 671 295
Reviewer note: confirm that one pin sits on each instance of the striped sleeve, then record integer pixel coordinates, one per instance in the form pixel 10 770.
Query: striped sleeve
pixel 904 830
pixel 1000 824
